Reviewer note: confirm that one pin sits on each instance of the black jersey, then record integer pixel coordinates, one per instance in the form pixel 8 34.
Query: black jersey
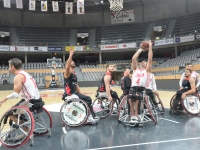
pixel 70 84
pixel 125 84
pixel 102 87
pixel 186 84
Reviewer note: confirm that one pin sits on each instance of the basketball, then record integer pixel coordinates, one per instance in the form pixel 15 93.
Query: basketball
pixel 144 45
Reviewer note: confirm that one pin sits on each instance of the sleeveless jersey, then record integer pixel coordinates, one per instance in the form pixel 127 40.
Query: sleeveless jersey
pixel 102 87
pixel 186 84
pixel 70 84
pixel 29 87
pixel 149 84
pixel 139 78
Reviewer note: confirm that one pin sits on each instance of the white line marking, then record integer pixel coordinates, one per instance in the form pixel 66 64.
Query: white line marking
pixel 0 144
pixel 169 120
pixel 64 130
pixel 146 143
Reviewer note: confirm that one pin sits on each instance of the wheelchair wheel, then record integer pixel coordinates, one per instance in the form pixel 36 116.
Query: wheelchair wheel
pixel 160 107
pixel 74 112
pixel 43 122
pixel 191 105
pixel 171 102
pixel 102 107
pixel 12 134
pixel 151 109
pixel 123 110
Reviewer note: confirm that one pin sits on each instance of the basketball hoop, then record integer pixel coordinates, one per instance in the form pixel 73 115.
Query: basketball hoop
pixel 116 5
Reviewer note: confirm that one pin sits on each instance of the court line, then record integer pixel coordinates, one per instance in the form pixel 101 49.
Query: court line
pixel 169 120
pixel 158 142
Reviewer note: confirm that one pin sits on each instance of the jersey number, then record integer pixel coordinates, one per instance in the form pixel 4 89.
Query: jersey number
pixel 34 82
pixel 138 81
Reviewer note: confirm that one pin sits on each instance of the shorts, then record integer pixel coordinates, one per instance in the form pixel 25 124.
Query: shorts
pixel 136 90
pixel 32 105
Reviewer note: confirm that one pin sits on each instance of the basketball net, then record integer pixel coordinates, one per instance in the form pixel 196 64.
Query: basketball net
pixel 116 5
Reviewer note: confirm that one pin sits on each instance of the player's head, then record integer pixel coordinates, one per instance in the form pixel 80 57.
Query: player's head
pixel 190 67
pixel 14 65
pixel 188 72
pixel 143 64
pixel 109 68
pixel 126 71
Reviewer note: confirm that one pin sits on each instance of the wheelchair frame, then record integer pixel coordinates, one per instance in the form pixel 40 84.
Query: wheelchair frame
pixel 17 111
pixel 172 110
pixel 144 116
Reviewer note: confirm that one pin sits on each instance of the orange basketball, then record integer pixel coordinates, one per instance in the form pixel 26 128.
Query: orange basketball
pixel 144 45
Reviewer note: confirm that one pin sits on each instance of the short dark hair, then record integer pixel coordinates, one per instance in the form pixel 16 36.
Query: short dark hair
pixel 189 70
pixel 17 63
pixel 107 66
pixel 126 69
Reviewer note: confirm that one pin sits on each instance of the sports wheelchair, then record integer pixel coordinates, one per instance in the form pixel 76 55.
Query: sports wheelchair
pixel 159 106
pixel 75 112
pixel 103 107
pixel 35 120
pixel 147 111
pixel 191 105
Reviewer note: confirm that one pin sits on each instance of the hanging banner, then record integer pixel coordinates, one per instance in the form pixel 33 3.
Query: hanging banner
pixel 4 48
pixel 44 6
pixel 80 7
pixel 75 48
pixel 127 45
pixel 68 8
pixel 19 4
pixel 109 47
pixel 7 3
pixel 184 39
pixel 122 16
pixel 19 48
pixel 38 48
pixel 87 48
pixel 164 42
pixel 54 48
pixel 32 5
pixel 55 6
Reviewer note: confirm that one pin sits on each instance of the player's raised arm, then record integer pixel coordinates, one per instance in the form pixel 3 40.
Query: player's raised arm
pixel 68 64
pixel 150 57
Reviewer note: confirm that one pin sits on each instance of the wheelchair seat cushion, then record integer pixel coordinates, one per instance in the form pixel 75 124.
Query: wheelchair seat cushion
pixel 37 105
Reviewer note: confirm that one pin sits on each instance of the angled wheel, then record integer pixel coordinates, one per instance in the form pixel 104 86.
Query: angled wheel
pixel 43 122
pixel 191 105
pixel 74 112
pixel 123 110
pixel 102 107
pixel 172 101
pixel 151 109
pixel 16 133
pixel 160 107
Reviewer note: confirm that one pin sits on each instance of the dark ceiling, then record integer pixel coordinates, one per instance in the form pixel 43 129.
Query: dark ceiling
pixel 90 5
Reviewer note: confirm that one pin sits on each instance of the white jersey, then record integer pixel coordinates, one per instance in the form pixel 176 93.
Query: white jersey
pixel 29 88
pixel 139 78
pixel 151 84
pixel 194 75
